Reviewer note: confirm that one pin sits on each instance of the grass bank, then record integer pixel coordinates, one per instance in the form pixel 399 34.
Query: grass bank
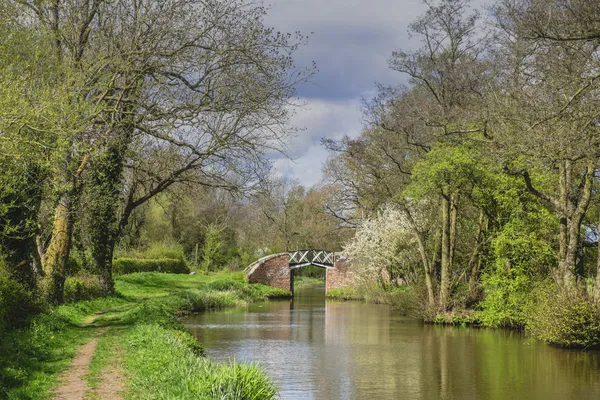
pixel 400 298
pixel 141 338
pixel 305 281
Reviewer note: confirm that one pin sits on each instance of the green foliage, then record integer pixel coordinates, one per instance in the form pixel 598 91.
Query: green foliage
pixel 303 281
pixel 344 294
pixel 521 255
pixel 151 284
pixel 83 287
pixel 32 358
pixel 507 300
pixel 212 249
pixel 448 169
pixel 568 318
pixel 160 250
pixel 166 265
pixel 16 303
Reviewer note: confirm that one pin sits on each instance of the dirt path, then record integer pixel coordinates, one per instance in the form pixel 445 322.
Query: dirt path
pixel 73 385
pixel 111 385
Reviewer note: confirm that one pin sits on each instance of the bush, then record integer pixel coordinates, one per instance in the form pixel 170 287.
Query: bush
pixel 16 303
pixel 565 318
pixel 508 297
pixel 83 287
pixel 160 251
pixel 168 265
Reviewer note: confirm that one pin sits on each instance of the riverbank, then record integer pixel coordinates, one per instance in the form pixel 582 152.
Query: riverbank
pixel 307 281
pixel 402 298
pixel 138 343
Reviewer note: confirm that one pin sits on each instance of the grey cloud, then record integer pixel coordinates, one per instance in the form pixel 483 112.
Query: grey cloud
pixel 351 44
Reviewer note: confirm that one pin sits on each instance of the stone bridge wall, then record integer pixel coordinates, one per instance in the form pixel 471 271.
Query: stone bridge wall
pixel 274 270
pixel 340 276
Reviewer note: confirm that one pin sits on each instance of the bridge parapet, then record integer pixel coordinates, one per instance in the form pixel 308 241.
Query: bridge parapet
pixel 276 270
pixel 271 270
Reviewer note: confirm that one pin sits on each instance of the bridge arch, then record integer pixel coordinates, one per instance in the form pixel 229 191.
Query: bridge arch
pixel 277 270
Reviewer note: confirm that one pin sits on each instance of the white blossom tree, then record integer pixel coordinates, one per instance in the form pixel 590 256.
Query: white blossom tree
pixel 385 247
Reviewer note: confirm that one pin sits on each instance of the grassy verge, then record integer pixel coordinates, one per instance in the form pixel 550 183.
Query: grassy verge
pixel 305 281
pixel 346 294
pixel 401 298
pixel 146 305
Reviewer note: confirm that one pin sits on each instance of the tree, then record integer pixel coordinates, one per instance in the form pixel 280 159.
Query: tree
pixel 550 92
pixel 204 82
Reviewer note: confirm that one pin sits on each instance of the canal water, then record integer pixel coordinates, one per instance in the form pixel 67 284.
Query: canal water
pixel 318 349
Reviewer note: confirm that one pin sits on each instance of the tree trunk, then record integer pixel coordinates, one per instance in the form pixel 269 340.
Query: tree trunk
pixel 446 255
pixel 572 210
pixel 473 266
pixel 424 259
pixel 57 255
pixel 426 268
pixel 105 181
pixel 597 287
pixel 453 218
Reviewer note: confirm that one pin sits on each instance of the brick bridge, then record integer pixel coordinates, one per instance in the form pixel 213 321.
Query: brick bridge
pixel 277 270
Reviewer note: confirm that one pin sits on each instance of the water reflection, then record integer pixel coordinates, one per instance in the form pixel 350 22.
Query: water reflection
pixel 317 349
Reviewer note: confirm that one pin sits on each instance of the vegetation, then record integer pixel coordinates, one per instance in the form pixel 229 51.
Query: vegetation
pixel 135 136
pixel 142 323
pixel 131 265
pixel 304 281
pixel 476 183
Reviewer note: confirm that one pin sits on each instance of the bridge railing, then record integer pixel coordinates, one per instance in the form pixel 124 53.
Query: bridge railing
pixel 321 258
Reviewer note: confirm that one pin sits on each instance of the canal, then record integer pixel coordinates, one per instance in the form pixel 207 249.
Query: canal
pixel 319 349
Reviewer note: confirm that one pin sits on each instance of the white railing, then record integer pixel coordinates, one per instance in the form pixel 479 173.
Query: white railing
pixel 320 258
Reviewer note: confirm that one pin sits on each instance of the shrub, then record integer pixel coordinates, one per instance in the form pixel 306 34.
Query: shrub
pixel 83 287
pixel 161 250
pixel 16 303
pixel 169 265
pixel 508 296
pixel 565 318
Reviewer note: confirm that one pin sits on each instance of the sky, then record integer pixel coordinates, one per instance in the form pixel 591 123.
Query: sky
pixel 351 42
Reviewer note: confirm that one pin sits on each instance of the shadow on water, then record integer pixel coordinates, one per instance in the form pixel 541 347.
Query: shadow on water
pixel 320 349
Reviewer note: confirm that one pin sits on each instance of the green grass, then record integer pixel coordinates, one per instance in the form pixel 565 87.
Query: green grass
pixel 163 365
pixel 32 359
pixel 304 281
pixel 108 352
pixel 345 294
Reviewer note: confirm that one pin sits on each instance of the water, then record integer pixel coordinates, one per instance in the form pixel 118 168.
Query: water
pixel 317 349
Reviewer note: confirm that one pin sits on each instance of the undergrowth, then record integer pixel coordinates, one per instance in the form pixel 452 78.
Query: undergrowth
pixel 32 358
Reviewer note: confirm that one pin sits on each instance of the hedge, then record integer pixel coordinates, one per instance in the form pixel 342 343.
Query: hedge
pixel 123 266
pixel 83 287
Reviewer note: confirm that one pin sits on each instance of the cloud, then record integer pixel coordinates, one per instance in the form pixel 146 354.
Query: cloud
pixel 332 119
pixel 351 44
